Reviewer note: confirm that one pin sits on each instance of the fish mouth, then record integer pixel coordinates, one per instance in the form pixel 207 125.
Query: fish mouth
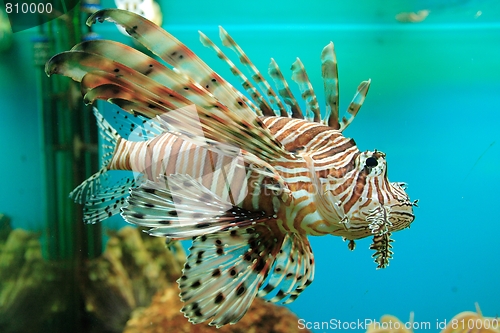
pixel 401 211
pixel 378 220
pixel 401 219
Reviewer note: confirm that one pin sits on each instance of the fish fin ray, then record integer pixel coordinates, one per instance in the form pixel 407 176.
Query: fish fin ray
pixel 100 201
pixel 329 73
pixel 299 75
pixel 214 121
pixel 284 90
pixel 246 134
pixel 256 76
pixel 220 108
pixel 355 104
pixel 133 69
pixel 93 184
pixel 264 108
pixel 177 55
pixel 224 272
pixel 292 271
pixel 106 203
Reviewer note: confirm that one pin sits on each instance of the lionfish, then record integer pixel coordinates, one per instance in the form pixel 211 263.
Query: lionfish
pixel 248 179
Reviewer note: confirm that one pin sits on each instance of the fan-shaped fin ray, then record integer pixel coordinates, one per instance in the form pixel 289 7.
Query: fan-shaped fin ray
pixel 162 81
pixel 292 271
pixel 217 122
pixel 180 207
pixel 284 91
pixel 264 108
pixel 225 271
pixel 355 104
pixel 329 73
pixel 134 60
pixel 258 78
pixel 299 75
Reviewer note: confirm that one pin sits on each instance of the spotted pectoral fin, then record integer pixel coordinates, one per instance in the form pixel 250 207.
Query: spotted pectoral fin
pixel 180 207
pixel 292 271
pixel 224 272
pixel 382 246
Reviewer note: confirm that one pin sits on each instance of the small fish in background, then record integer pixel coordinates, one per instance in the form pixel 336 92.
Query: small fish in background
pixel 247 179
pixel 449 11
pixel 413 17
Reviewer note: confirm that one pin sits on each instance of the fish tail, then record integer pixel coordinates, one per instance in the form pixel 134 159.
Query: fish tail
pixel 91 185
pixel 101 200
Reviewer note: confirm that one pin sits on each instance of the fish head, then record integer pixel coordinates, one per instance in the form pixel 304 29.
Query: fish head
pixel 384 206
pixel 365 203
pixel 369 202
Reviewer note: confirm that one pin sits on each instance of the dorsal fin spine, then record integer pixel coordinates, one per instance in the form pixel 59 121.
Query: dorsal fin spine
pixel 299 75
pixel 329 73
pixel 247 85
pixel 229 42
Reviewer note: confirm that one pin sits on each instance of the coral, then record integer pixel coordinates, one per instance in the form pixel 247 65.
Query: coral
pixel 28 283
pixel 164 316
pixel 131 270
pixel 469 321
pixel 5 228
pixel 389 324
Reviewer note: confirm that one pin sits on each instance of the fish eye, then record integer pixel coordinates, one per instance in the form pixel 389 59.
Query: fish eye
pixel 371 162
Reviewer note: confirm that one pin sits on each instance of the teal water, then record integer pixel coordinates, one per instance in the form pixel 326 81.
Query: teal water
pixel 433 108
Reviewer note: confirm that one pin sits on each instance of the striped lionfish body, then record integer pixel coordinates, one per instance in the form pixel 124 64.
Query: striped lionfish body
pixel 247 179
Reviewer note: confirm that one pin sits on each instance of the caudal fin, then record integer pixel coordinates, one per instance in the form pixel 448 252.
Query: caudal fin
pixel 100 199
pixel 92 185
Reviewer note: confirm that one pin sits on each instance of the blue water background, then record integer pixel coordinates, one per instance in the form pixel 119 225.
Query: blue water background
pixel 433 108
